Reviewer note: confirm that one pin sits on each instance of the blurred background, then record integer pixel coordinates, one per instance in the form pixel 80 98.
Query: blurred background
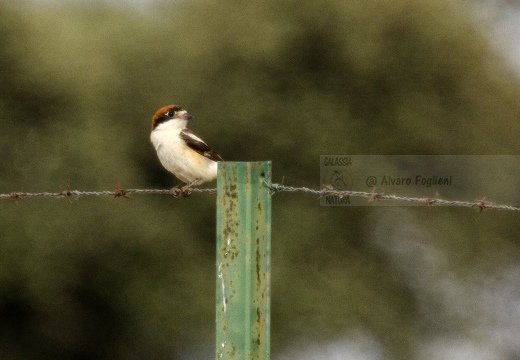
pixel 285 81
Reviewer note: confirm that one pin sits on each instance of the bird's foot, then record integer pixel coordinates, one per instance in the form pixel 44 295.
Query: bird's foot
pixel 175 191
pixel 183 190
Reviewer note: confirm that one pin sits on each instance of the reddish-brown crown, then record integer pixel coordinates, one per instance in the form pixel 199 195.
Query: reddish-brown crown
pixel 161 114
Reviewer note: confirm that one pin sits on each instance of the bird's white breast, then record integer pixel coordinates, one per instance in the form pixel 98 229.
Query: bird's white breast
pixel 178 158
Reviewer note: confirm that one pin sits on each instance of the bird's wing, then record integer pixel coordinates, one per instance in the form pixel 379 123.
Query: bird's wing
pixel 197 144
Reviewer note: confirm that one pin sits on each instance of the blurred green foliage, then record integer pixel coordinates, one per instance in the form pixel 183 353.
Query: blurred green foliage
pixel 275 80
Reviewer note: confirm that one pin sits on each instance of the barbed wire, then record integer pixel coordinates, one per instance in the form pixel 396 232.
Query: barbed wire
pixel 70 194
pixel 375 196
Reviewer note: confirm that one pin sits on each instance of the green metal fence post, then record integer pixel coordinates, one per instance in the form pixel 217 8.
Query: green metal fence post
pixel 243 261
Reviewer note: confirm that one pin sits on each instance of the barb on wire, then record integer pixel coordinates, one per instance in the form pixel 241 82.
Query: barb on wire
pixel 69 194
pixel 15 197
pixel 121 193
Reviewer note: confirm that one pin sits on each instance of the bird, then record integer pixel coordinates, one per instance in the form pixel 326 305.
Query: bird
pixel 180 151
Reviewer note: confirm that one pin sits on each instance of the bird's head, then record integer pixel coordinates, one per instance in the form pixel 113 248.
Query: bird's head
pixel 171 115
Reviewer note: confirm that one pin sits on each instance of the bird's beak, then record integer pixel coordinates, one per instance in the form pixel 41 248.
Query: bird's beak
pixel 187 116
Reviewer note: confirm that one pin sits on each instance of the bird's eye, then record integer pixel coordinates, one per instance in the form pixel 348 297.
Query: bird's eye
pixel 170 113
